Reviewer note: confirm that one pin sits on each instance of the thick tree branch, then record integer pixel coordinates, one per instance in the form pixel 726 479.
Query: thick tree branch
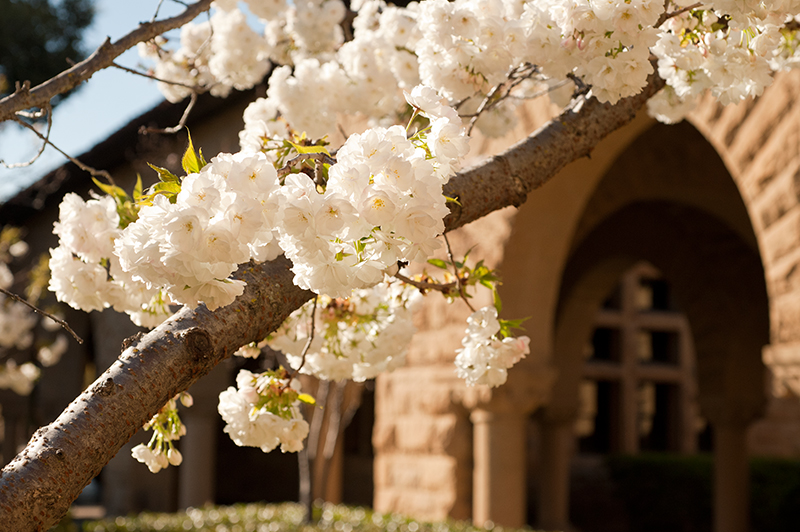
pixel 40 96
pixel 37 487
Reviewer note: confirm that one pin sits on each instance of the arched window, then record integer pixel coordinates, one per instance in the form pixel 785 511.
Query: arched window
pixel 638 389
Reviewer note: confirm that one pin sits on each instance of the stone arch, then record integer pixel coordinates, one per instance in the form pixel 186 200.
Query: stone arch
pixel 673 168
pixel 759 142
pixel 719 282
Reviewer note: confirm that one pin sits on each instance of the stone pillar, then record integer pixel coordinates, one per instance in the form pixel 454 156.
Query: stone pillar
pixel 558 443
pixel 731 478
pixel 196 473
pixel 499 483
pixel 196 481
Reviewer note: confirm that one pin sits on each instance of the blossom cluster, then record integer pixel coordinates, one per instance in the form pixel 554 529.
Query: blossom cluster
pixel 189 245
pixel 465 48
pixel 485 358
pixel 263 411
pixel 356 338
pixel 160 452
pixel 87 274
pixel 733 57
pixel 382 203
pixel 216 55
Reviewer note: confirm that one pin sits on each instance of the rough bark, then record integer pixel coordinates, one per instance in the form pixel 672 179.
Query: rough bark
pixel 37 487
pixel 39 97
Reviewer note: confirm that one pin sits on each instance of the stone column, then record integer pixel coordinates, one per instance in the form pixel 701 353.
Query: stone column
pixel 731 478
pixel 196 473
pixel 558 445
pixel 499 483
pixel 499 434
pixel 196 482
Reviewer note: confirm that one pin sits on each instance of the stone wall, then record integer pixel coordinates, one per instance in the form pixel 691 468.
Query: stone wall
pixel 427 453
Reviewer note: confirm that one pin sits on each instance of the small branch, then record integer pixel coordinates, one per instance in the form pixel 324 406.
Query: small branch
pixel 308 342
pixel 444 288
pixel 535 95
pixel 154 78
pixel 36 309
pixel 455 270
pixel 666 16
pixel 516 76
pixel 581 88
pixel 181 124
pixel 158 8
pixel 322 157
pixel 25 97
pixel 94 172
pixel 47 110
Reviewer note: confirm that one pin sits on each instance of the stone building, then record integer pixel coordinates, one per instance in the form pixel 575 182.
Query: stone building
pixel 706 211
pixel 660 278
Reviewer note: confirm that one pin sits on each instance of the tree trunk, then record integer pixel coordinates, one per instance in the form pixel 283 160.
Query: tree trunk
pixel 38 486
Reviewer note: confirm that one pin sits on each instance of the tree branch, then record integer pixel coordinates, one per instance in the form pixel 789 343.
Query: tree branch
pixel 40 96
pixel 37 487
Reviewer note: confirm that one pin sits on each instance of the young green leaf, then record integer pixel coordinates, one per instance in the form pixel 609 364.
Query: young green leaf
pixel 137 190
pixel 498 305
pixel 439 263
pixel 165 175
pixel 190 162
pixel 309 149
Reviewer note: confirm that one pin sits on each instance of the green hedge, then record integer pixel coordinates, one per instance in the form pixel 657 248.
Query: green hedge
pixel 665 493
pixel 287 517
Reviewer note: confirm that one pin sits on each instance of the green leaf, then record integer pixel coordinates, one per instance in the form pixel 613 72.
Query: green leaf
pixel 190 162
pixel 448 199
pixel 112 190
pixel 439 263
pixel 137 190
pixel 164 174
pixel 309 149
pixel 498 305
pixel 307 399
pixel 507 325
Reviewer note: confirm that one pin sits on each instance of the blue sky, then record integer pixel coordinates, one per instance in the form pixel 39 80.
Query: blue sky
pixel 107 102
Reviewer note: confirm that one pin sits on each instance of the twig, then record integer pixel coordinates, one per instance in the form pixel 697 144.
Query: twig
pixel 154 78
pixel 103 57
pixel 458 277
pixel 581 88
pixel 489 101
pixel 444 288
pixel 181 124
pixel 36 309
pixel 666 16
pixel 47 110
pixel 158 8
pixel 94 172
pixel 308 342
pixel 324 158
pixel 540 93
pixel 482 107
